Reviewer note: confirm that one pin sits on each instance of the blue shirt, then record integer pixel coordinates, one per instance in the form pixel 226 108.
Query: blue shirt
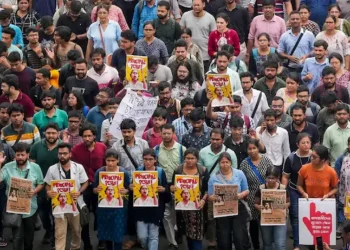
pixel 312 66
pixel 238 178
pixel 318 9
pixel 147 14
pixel 181 128
pixel 305 46
pixel 111 36
pixel 96 117
pixel 18 39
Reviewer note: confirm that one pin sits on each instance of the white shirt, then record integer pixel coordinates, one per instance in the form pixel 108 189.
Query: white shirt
pixel 248 107
pixel 234 79
pixel 189 206
pixel 144 203
pixel 109 76
pixel 277 145
pixel 77 173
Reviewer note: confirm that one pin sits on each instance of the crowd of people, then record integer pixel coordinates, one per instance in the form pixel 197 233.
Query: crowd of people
pixel 63 77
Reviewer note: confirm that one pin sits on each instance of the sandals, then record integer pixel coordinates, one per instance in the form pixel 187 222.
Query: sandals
pixel 129 244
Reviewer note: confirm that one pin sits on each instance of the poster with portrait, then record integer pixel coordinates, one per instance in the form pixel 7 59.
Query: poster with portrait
pixel 111 183
pixel 18 200
pixel 227 202
pixel 219 89
pixel 63 203
pixel 145 188
pixel 187 193
pixel 274 210
pixel 317 219
pixel 136 72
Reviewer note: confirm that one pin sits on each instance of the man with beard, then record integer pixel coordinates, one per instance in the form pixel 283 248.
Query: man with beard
pixel 67 169
pixel 167 29
pixel 172 105
pixel 131 150
pixel 100 112
pixel 313 66
pixel 254 102
pixel 303 97
pixel 300 125
pixel 19 130
pixel 5 22
pixel 50 113
pixel 4 116
pixel 83 83
pixel 183 123
pixel 90 154
pixel 43 84
pixel 282 119
pixel 182 55
pixel 33 52
pixel 329 83
pixel 103 74
pixel 48 145
pixel 270 83
pixel 335 137
pixel 199 136
pixel 274 138
pixel 68 69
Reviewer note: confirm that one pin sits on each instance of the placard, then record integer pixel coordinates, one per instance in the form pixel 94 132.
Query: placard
pixel 136 72
pixel 18 200
pixel 227 205
pixel 111 183
pixel 138 108
pixel 187 193
pixel 63 203
pixel 145 188
pixel 317 218
pixel 219 89
pixel 274 212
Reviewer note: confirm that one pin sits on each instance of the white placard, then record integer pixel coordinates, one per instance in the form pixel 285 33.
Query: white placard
pixel 317 218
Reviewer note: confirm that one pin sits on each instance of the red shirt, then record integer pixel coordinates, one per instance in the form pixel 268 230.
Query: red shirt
pixel 91 160
pixel 217 39
pixel 24 100
pixel 153 138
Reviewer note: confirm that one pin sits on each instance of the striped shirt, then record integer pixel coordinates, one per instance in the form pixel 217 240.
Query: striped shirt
pixel 181 127
pixel 30 134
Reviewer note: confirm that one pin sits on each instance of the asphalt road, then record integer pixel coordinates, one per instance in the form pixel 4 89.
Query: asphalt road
pixel 162 244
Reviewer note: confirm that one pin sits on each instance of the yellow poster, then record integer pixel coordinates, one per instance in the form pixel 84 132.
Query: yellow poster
pixel 136 72
pixel 219 89
pixel 18 200
pixel 187 193
pixel 111 183
pixel 145 188
pixel 63 203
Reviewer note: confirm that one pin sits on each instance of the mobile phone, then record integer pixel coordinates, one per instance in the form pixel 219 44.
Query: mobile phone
pixel 319 243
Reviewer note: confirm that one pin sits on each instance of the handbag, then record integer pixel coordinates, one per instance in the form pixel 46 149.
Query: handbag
pixel 84 215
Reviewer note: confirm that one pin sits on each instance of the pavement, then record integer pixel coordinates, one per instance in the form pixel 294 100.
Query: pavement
pixel 162 242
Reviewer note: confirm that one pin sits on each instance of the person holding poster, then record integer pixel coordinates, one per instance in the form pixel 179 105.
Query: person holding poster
pixel 191 222
pixel 232 225
pixel 273 233
pixel 21 167
pixel 70 171
pixel 148 218
pixel 108 218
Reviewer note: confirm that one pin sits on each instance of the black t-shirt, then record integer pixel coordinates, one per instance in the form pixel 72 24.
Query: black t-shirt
pixel 88 87
pixel 292 168
pixel 46 41
pixel 67 173
pixel 36 92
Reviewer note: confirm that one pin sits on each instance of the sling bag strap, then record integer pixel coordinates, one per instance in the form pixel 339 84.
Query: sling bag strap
pixel 216 162
pixel 256 105
pixel 20 133
pixel 295 46
pixel 129 156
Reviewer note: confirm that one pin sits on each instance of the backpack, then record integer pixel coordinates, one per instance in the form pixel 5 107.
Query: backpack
pixel 245 118
pixel 180 151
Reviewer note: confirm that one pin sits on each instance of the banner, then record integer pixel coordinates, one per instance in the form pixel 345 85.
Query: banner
pixel 274 210
pixel 145 188
pixel 187 193
pixel 111 183
pixel 136 72
pixel 18 200
pixel 63 203
pixel 317 219
pixel 220 90
pixel 227 205
pixel 138 108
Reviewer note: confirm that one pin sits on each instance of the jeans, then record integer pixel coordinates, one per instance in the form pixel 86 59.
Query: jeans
pixel 148 235
pixel 236 226
pixel 294 196
pixel 24 235
pixel 3 199
pixel 276 234
pixel 194 244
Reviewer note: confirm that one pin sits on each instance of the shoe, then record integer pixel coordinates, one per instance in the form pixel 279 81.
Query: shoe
pixel 47 238
pixel 172 247
pixel 101 245
pixel 3 243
